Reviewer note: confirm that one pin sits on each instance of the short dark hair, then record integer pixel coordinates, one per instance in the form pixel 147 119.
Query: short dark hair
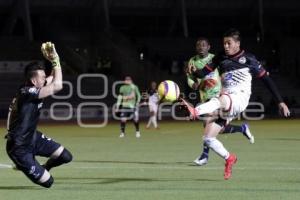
pixel 203 39
pixel 128 78
pixel 31 68
pixel 234 33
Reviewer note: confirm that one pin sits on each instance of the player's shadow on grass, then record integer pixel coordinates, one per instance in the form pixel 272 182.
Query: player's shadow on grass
pixel 130 162
pixel 122 180
pixel 19 188
pixel 286 139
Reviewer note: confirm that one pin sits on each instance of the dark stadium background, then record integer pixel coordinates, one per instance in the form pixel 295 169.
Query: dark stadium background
pixel 147 39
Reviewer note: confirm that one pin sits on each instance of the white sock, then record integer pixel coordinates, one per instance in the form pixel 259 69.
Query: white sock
pixel 217 146
pixel 149 122
pixel 154 120
pixel 208 107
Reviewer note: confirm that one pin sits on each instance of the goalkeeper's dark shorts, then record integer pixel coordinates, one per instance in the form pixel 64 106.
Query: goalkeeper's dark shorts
pixel 24 156
pixel 129 113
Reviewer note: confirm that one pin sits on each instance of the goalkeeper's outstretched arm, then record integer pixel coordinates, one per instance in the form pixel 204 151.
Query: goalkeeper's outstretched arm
pixel 49 52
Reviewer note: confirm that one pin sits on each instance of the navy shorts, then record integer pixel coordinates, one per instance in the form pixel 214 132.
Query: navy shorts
pixel 24 157
pixel 129 114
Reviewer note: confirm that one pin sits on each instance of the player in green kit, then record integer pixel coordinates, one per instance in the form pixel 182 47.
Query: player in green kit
pixel 209 87
pixel 127 105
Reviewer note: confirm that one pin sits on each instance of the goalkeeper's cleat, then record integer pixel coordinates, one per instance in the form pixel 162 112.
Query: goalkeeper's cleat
pixel 122 135
pixel 230 161
pixel 200 161
pixel 247 133
pixel 137 134
pixel 190 108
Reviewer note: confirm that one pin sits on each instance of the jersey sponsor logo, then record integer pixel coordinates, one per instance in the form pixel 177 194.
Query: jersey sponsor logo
pixel 230 84
pixel 242 60
pixel 228 76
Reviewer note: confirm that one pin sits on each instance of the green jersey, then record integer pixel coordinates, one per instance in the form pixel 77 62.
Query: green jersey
pixel 210 85
pixel 129 96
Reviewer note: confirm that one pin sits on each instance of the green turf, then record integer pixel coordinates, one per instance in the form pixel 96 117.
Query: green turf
pixel 158 165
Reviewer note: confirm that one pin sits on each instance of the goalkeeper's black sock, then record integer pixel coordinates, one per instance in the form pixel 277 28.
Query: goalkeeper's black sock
pixel 123 125
pixel 233 129
pixel 64 157
pixel 137 125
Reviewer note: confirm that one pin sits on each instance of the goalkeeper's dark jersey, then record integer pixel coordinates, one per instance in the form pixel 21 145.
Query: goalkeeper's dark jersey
pixel 23 116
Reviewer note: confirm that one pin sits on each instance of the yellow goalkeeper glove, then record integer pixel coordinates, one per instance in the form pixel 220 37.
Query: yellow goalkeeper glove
pixel 49 52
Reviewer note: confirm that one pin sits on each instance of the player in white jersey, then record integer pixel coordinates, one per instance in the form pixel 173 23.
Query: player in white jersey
pixel 153 101
pixel 236 68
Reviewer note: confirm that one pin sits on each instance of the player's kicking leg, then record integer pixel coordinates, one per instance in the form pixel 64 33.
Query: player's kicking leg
pixel 212 129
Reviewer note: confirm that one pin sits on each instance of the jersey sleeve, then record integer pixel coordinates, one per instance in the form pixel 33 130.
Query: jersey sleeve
pixel 208 68
pixel 30 93
pixel 190 80
pixel 120 97
pixel 256 67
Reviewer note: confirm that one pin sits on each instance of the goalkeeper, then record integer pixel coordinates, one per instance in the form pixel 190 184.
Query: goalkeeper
pixel 209 87
pixel 24 141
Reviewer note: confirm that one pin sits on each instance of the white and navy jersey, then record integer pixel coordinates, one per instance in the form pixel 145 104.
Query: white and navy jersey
pixel 23 115
pixel 237 71
pixel 153 97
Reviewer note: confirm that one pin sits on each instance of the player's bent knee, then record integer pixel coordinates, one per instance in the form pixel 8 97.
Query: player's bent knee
pixel 225 101
pixel 57 152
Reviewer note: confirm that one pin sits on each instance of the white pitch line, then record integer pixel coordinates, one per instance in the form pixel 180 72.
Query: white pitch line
pixel 5 166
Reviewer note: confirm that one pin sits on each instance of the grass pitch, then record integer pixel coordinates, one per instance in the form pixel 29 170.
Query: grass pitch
pixel 159 164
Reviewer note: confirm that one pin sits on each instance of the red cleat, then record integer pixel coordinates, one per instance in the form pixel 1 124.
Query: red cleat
pixel 231 160
pixel 190 108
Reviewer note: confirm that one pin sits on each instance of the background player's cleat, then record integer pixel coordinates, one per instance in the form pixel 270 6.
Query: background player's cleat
pixel 122 135
pixel 200 161
pixel 137 134
pixel 247 133
pixel 190 108
pixel 231 160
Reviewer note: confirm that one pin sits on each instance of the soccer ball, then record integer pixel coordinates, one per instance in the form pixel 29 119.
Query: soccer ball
pixel 168 91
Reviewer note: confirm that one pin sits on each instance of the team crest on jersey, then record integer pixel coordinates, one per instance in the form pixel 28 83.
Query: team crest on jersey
pixel 33 90
pixel 242 60
pixel 40 105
